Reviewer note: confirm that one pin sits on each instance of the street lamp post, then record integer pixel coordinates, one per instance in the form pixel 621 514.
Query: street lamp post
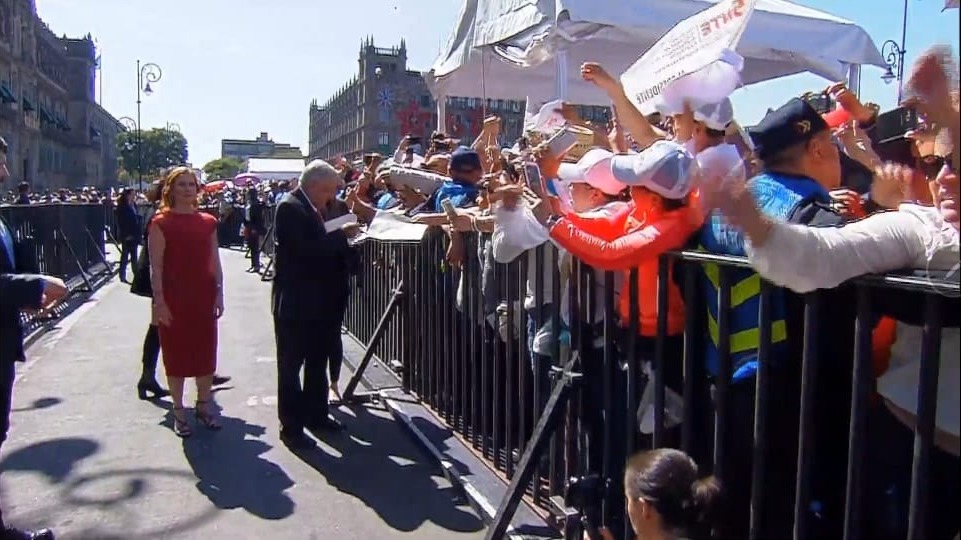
pixel 146 74
pixel 893 54
pixel 131 126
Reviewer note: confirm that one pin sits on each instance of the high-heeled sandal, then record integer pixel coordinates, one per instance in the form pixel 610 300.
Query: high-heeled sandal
pixel 205 417
pixel 144 388
pixel 181 427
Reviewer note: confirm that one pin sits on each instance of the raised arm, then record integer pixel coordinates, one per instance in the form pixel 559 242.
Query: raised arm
pixel 633 121
pixel 627 251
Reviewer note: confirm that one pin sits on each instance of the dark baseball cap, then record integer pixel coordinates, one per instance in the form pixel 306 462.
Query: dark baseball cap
pixel 465 159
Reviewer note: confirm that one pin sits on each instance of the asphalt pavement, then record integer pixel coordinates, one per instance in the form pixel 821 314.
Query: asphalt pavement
pixel 87 458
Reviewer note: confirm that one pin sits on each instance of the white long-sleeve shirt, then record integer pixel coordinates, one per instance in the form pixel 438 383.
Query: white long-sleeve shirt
pixel 804 259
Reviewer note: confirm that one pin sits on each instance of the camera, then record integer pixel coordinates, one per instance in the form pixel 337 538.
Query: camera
pixel 586 494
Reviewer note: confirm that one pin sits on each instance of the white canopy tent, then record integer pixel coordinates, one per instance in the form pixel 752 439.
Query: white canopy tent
pixel 267 169
pixel 512 49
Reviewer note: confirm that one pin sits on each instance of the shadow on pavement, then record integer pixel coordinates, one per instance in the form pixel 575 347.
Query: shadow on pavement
pixel 54 458
pixel 398 486
pixel 231 472
pixel 42 403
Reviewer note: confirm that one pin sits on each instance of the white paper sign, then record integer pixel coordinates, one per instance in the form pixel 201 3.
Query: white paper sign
pixel 690 46
pixel 547 119
pixel 389 226
pixel 333 224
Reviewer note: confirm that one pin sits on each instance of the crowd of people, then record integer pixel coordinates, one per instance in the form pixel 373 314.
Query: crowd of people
pixel 23 194
pixel 810 203
pixel 804 197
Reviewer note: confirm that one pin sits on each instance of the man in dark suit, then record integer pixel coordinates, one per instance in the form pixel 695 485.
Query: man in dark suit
pixel 18 292
pixel 254 227
pixel 311 282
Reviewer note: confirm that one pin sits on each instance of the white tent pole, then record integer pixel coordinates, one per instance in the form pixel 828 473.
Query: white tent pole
pixel 560 74
pixel 442 113
pixel 854 79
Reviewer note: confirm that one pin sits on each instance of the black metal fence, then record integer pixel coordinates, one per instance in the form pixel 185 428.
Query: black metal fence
pixel 67 240
pixel 804 448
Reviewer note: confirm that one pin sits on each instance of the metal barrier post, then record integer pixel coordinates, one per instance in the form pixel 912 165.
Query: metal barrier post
pixel 88 287
pixel 544 430
pixel 349 392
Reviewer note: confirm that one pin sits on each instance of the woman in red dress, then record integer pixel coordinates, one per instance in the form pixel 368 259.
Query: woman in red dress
pixel 187 281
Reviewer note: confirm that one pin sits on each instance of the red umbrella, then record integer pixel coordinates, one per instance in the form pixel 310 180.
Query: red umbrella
pixel 216 186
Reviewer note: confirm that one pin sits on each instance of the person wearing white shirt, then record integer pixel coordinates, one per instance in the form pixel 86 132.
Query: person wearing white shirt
pixel 912 237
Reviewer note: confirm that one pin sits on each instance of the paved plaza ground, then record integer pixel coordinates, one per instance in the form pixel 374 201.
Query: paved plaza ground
pixel 89 459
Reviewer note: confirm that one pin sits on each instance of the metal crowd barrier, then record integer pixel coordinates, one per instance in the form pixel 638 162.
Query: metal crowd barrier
pixel 67 240
pixel 460 343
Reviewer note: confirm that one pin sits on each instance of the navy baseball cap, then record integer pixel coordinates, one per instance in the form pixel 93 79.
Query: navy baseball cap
pixel 793 123
pixel 465 159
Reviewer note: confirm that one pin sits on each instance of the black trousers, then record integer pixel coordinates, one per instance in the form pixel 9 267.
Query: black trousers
pixel 302 345
pixel 253 243
pixel 151 352
pixel 128 255
pixel 8 372
pixel 336 358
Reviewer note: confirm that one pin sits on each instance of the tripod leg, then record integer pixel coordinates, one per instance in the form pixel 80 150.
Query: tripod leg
pixel 548 423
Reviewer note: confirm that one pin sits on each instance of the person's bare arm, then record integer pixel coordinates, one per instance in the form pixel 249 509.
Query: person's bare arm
pixel 156 244
pixel 218 274
pixel 633 121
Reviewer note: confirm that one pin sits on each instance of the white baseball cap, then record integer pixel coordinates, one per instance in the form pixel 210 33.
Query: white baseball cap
pixel 665 167
pixel 715 116
pixel 593 169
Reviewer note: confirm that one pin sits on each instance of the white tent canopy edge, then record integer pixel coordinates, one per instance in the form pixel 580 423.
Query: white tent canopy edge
pixel 516 49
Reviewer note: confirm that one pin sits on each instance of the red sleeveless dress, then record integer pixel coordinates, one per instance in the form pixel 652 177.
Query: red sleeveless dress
pixel 189 343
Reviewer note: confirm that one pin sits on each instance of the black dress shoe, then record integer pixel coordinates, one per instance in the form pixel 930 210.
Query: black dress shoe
pixel 326 424
pixel 220 379
pixel 297 441
pixel 17 534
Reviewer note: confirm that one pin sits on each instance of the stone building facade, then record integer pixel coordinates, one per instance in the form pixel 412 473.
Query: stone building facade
pixel 385 101
pixel 261 147
pixel 58 135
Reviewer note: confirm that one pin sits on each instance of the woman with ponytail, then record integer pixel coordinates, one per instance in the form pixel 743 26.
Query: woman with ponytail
pixel 666 500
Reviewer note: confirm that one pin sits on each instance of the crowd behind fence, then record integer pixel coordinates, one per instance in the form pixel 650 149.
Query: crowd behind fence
pixel 66 240
pixel 462 341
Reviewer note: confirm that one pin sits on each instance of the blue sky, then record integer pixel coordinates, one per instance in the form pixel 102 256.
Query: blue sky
pixel 234 68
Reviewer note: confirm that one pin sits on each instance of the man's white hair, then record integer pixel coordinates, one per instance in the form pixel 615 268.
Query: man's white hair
pixel 319 170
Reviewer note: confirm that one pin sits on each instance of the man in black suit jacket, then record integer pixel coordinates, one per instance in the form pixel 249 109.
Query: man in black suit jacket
pixel 254 227
pixel 311 282
pixel 18 292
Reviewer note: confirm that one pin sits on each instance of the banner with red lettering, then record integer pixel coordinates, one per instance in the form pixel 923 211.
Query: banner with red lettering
pixel 701 42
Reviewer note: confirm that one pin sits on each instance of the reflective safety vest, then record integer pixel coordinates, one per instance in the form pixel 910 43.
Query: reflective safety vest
pixel 778 196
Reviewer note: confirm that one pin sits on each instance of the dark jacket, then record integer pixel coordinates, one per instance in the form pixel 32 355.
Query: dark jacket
pixel 312 266
pixel 128 223
pixel 256 221
pixel 18 291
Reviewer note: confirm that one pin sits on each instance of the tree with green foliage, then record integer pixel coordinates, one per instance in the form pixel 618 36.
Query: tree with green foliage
pixel 223 168
pixel 162 148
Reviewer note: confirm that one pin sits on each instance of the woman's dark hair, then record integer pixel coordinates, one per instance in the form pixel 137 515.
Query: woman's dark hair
pixel 122 196
pixel 668 480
